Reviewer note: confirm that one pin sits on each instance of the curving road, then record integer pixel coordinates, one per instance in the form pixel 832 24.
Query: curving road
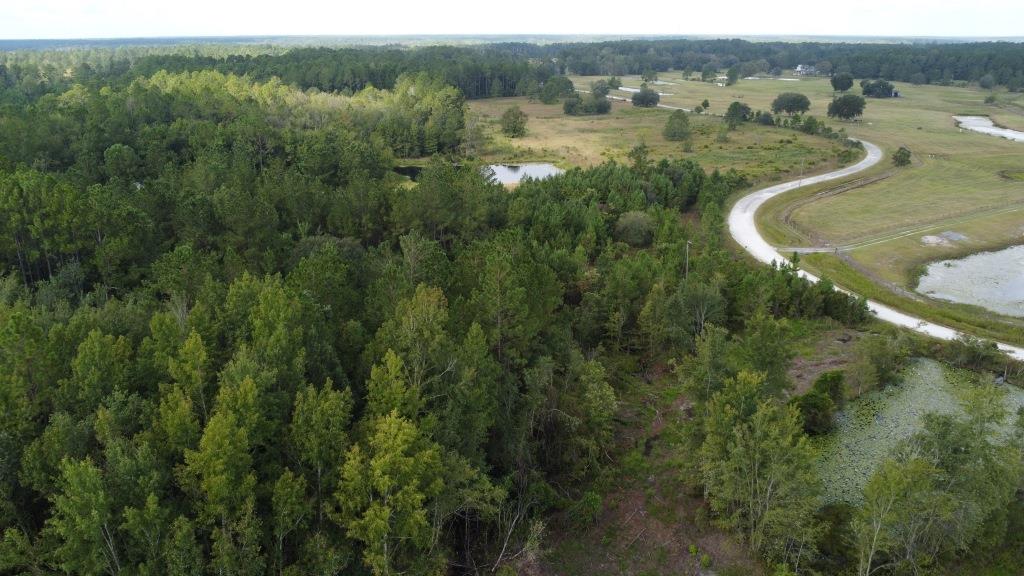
pixel 744 230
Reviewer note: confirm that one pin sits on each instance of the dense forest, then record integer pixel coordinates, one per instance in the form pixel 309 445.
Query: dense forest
pixel 918 63
pixel 511 68
pixel 234 341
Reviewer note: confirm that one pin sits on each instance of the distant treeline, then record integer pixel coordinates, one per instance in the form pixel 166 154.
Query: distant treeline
pixel 510 68
pixel 920 63
pixel 479 72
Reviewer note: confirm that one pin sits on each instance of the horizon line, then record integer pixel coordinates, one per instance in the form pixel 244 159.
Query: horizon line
pixel 513 35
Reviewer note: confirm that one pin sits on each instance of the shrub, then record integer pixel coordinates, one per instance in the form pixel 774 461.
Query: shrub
pixel 846 107
pixel 835 544
pixel 886 355
pixel 677 128
pixel 901 157
pixel 556 87
pixel 842 82
pixel 736 113
pixel 646 98
pixel 973 353
pixel 817 410
pixel 833 385
pixel 585 510
pixel 586 106
pixel 513 122
pixel 635 228
pixel 877 88
pixel 810 125
pixel 791 103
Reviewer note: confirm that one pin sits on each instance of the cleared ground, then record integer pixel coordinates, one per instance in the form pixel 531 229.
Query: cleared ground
pixel 763 153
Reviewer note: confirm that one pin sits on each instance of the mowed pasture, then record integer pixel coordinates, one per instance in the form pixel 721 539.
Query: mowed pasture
pixel 961 184
pixel 762 153
pixel 959 178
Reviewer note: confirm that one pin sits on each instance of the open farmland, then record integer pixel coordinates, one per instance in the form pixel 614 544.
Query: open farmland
pixel 961 187
pixel 762 153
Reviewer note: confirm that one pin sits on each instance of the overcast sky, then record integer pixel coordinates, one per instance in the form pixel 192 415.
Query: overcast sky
pixel 20 19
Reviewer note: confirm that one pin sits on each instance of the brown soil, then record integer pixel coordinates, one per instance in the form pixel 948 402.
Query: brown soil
pixel 651 518
pixel 835 350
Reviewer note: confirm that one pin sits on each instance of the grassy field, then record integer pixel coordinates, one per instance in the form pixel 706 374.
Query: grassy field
pixel 963 183
pixel 763 153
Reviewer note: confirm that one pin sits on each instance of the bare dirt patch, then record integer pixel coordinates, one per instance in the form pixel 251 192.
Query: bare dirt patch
pixel 835 350
pixel 651 520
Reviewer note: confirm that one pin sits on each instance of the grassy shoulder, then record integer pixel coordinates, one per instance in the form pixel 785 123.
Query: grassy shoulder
pixel 894 290
pixel 960 181
pixel 970 319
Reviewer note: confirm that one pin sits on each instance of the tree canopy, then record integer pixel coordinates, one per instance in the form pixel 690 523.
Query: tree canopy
pixel 677 127
pixel 877 88
pixel 846 107
pixel 513 122
pixel 791 103
pixel 842 82
pixel 646 97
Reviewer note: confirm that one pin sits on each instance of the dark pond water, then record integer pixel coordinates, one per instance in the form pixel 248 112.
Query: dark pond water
pixel 413 172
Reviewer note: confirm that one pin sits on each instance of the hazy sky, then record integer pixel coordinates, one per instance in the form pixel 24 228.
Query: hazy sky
pixel 134 18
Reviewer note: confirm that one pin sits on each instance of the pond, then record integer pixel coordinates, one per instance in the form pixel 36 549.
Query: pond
pixel 985 125
pixel 514 173
pixel 411 172
pixel 992 280
pixel 635 90
pixel 503 173
pixel 871 426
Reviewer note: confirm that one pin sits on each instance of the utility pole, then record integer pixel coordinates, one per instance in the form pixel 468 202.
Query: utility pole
pixel 686 275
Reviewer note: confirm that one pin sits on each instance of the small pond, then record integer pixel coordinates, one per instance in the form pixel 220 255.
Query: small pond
pixel 412 172
pixel 985 125
pixel 871 426
pixel 635 90
pixel 503 173
pixel 992 280
pixel 514 173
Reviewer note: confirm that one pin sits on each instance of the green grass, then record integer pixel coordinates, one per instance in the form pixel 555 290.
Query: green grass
pixel 958 316
pixel 954 175
pixel 960 182
pixel 764 154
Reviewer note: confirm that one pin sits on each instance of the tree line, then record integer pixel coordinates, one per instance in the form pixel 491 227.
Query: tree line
pixel 510 69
